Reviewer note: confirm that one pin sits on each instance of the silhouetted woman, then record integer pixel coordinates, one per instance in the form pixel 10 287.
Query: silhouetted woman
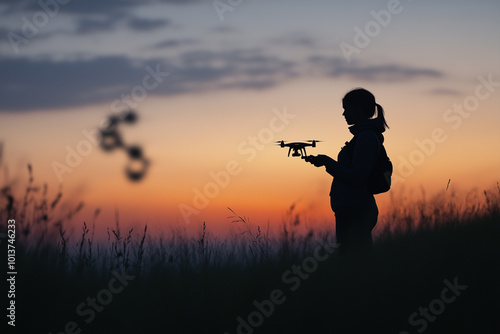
pixel 354 205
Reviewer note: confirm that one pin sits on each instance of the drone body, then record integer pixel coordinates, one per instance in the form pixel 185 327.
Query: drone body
pixel 299 148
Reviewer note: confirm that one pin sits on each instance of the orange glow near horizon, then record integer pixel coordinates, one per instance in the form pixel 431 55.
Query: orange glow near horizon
pixel 262 183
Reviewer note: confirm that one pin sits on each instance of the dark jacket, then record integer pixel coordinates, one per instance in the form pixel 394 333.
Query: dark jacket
pixel 354 164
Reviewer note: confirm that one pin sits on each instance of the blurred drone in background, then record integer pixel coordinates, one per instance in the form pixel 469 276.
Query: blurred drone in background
pixel 111 140
pixel 299 149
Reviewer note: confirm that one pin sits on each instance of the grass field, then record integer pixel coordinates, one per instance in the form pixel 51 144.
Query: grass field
pixel 435 269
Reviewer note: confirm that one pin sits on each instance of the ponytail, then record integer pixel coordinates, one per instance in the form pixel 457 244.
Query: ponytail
pixel 380 115
pixel 364 100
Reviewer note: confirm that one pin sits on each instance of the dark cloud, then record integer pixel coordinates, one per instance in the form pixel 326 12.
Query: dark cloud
pixel 42 84
pixel 14 39
pixel 296 39
pixel 90 25
pixel 93 25
pixel 3 33
pixel 143 24
pixel 337 67
pixel 224 29
pixel 172 43
pixel 90 6
pixel 182 2
pixel 237 69
pixel 96 16
pixel 75 7
pixel 98 7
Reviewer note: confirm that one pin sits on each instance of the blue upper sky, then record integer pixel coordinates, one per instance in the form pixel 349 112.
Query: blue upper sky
pixel 103 46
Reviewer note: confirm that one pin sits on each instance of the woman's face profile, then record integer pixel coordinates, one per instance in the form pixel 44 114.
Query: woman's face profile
pixel 351 114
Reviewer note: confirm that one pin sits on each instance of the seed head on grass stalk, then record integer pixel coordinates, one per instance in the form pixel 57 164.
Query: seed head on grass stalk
pixel 56 200
pixel 62 247
pixel 90 241
pixel 202 243
pixel 140 251
pixel 256 247
pixel 23 214
pixel 82 261
pixel 125 244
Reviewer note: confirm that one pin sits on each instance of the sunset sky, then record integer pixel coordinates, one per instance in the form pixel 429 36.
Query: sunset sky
pixel 215 84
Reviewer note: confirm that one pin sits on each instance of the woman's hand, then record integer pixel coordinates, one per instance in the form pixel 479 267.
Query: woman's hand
pixel 319 160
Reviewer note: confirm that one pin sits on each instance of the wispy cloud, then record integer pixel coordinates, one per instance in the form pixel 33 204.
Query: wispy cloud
pixel 236 69
pixel 173 43
pixel 95 16
pixel 90 25
pixel 93 7
pixel 28 84
pixel 445 91
pixel 94 25
pixel 296 39
pixel 338 67
pixel 224 29
pixel 146 24
pixel 41 84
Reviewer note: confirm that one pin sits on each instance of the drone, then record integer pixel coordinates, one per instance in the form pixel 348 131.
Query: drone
pixel 299 149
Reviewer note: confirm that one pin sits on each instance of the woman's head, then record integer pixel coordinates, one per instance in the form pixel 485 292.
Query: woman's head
pixel 359 104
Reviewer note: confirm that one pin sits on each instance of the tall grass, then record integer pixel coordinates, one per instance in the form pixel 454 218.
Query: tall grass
pixel 188 284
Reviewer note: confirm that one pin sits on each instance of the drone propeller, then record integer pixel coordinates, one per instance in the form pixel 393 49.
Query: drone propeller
pixel 280 143
pixel 313 142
